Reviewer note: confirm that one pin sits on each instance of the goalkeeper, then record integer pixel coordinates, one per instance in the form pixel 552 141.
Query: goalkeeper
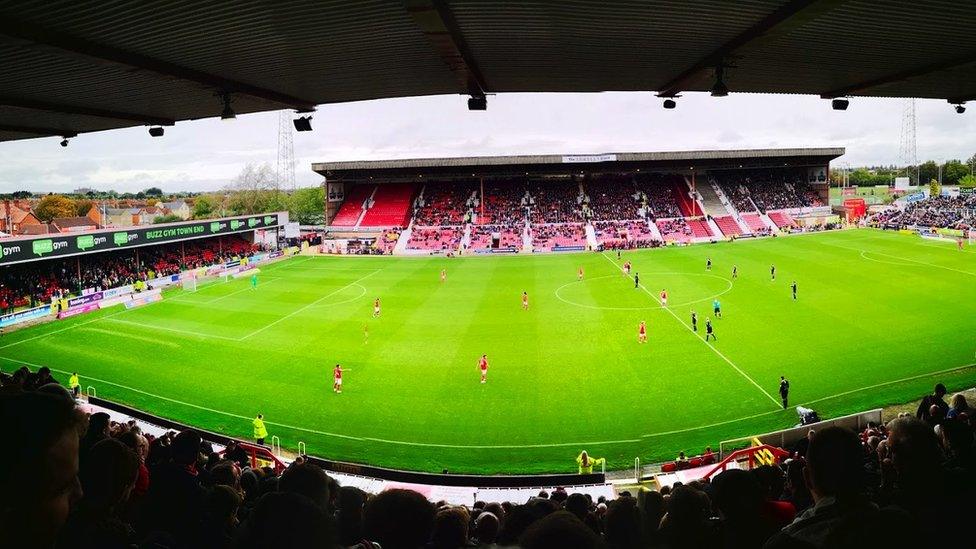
pixel 586 463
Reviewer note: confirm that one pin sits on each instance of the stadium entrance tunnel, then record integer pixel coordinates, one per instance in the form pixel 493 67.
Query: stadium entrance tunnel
pixel 617 292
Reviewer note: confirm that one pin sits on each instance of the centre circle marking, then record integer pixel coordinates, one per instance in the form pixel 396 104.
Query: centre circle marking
pixel 657 306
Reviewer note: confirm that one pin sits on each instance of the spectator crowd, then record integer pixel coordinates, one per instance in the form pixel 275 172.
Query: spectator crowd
pixel 72 480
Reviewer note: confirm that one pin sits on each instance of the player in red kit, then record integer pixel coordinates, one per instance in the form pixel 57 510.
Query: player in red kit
pixel 376 308
pixel 664 298
pixel 525 301
pixel 443 275
pixel 483 365
pixel 579 273
pixel 337 379
pixel 627 268
pixel 642 332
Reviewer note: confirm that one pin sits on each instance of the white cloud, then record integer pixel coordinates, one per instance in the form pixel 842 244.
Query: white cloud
pixel 207 154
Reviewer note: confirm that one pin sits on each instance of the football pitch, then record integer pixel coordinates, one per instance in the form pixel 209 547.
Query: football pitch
pixel 880 317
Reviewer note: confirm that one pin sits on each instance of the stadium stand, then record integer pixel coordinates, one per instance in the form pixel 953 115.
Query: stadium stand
pixel 352 207
pixel 755 223
pixel 768 189
pixel 446 203
pixel 558 235
pixel 659 194
pixel 610 197
pixel 391 206
pixel 900 484
pixel 782 219
pixel 675 230
pixel 435 239
pixel 614 234
pixel 728 225
pixel 481 237
pixel 34 284
pixel 501 203
pixel 699 228
pixel 681 193
pixel 940 211
pixel 554 201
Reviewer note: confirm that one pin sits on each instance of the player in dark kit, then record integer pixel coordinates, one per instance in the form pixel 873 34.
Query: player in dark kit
pixel 793 287
pixel 708 264
pixel 636 280
pixel 735 271
pixel 772 272
pixel 694 321
pixel 709 331
pixel 784 390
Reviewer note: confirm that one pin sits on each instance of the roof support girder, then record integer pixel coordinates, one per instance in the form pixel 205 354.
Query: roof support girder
pixel 34 130
pixel 901 76
pixel 34 35
pixel 435 19
pixel 791 15
pixel 36 105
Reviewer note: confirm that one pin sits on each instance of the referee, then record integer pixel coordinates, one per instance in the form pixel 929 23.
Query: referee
pixel 784 390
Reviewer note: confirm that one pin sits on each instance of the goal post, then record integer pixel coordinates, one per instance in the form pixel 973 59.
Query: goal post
pixel 190 282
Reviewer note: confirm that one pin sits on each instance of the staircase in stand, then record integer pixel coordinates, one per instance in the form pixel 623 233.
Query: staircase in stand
pixel 711 202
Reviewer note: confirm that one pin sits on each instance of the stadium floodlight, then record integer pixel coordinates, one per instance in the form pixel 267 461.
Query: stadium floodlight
pixel 228 113
pixel 303 123
pixel 960 108
pixel 477 103
pixel 719 89
pixel 156 131
pixel 840 104
pixel 670 104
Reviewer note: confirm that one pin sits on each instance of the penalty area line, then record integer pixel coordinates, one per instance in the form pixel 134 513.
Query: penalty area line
pixel 308 305
pixel 699 338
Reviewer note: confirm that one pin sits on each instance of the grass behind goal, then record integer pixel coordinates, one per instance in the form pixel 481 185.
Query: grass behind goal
pixel 880 318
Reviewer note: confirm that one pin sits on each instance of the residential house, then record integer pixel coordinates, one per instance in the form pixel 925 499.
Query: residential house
pixel 178 207
pixel 14 218
pixel 73 224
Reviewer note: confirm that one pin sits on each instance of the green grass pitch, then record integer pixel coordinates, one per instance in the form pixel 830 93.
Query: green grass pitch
pixel 880 318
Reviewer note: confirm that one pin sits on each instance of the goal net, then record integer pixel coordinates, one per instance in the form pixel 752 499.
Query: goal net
pixel 190 282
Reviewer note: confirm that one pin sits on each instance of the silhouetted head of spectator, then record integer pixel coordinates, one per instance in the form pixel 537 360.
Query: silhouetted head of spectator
pixel 288 521
pixel 651 504
pixel 185 448
pixel 486 528
pixel 226 474
pixel 940 390
pixel 39 476
pixel 109 474
pixel 623 523
pixel 737 494
pixel 560 529
pixel 578 505
pixel 98 426
pixel 957 439
pixel 135 442
pixel 772 479
pixel 399 519
pixel 834 464
pixel 450 528
pixel 221 505
pixel 496 509
pixel 308 480
pixel 915 452
pixel 559 495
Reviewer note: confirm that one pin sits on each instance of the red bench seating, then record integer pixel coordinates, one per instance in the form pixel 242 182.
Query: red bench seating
pixel 728 226
pixel 781 219
pixel 352 207
pixel 391 206
pixel 754 223
pixel 699 228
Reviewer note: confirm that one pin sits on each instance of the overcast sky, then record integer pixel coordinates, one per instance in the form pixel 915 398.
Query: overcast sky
pixel 207 154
